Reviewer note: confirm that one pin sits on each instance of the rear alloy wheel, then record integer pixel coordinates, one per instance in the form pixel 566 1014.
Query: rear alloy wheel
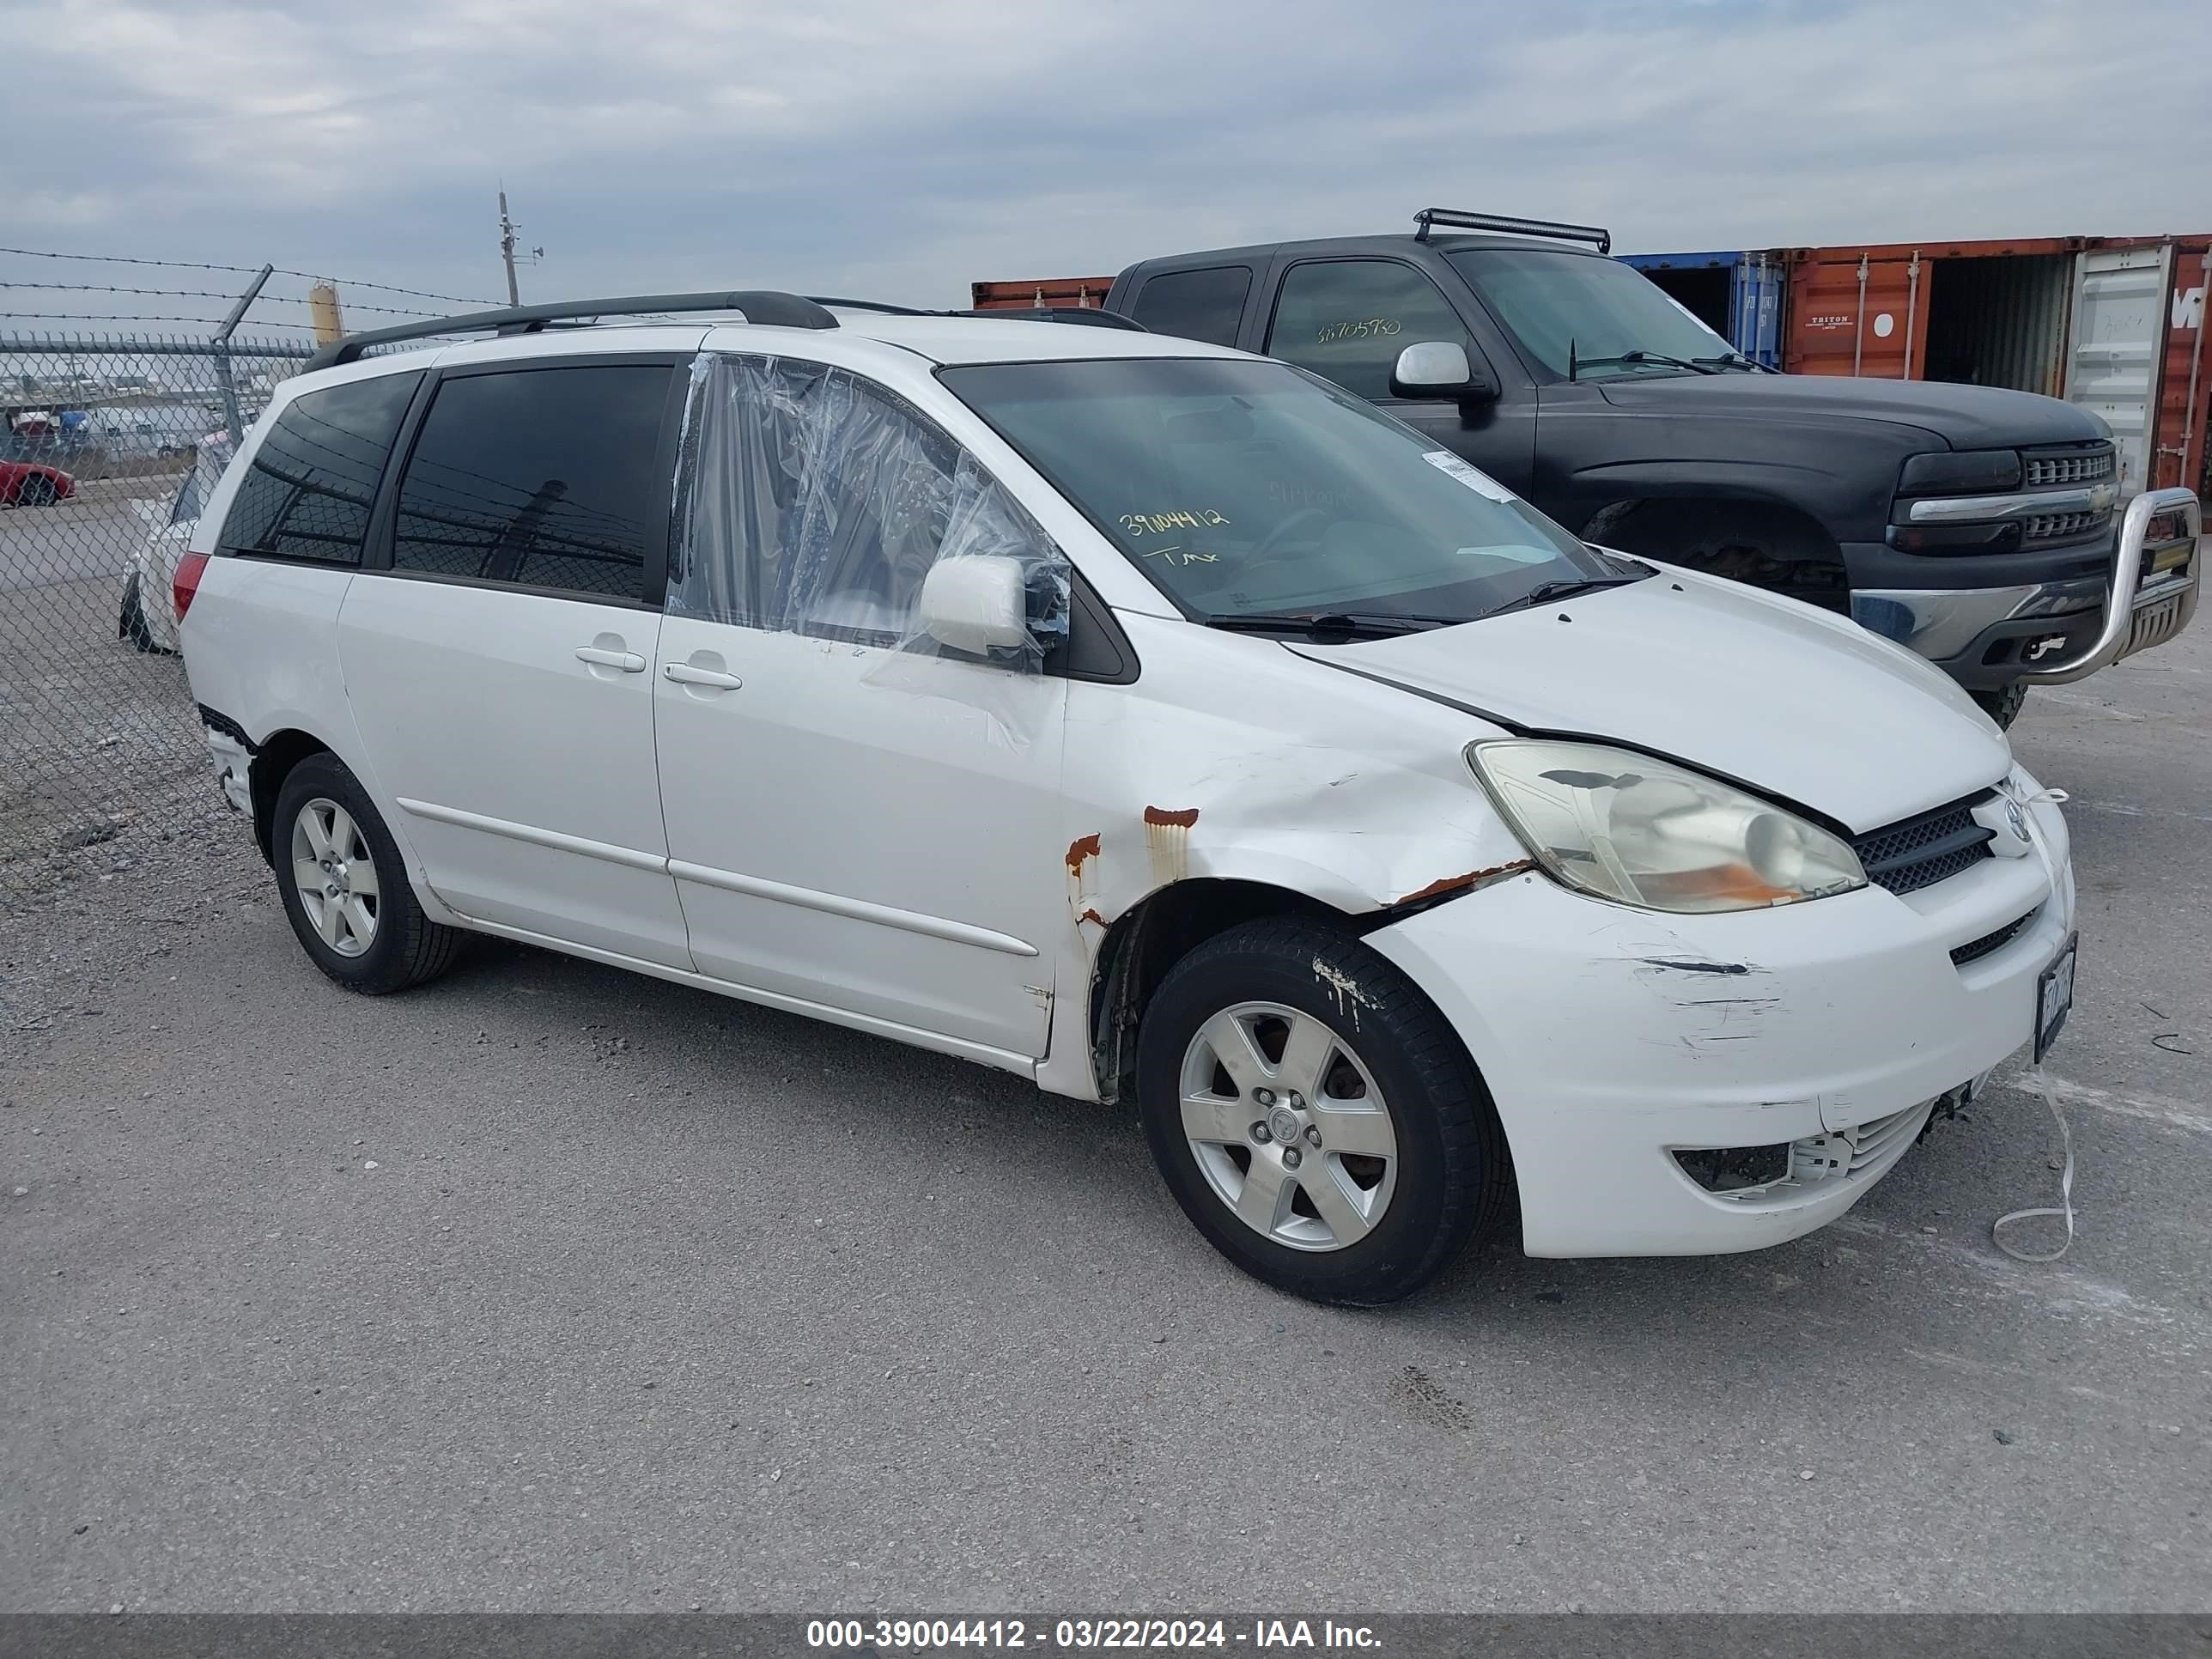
pixel 36 490
pixel 1315 1116
pixel 334 875
pixel 344 886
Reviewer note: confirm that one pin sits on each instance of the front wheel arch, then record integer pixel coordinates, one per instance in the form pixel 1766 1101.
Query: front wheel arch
pixel 1761 542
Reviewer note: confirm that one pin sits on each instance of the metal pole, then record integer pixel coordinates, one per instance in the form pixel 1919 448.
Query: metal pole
pixel 1911 308
pixel 506 248
pixel 1859 339
pixel 222 334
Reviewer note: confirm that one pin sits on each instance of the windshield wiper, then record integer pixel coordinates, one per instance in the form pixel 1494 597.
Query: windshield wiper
pixel 1640 355
pixel 1563 588
pixel 1327 621
pixel 1736 360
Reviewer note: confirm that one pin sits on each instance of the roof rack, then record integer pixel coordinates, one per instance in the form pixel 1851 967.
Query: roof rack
pixel 1453 219
pixel 1094 316
pixel 1082 316
pixel 766 305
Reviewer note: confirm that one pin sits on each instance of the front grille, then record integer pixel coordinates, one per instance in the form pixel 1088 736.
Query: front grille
pixel 1975 948
pixel 1919 852
pixel 2079 467
pixel 2063 526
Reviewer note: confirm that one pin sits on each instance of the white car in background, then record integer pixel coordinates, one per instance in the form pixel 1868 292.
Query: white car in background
pixel 1152 721
pixel 147 617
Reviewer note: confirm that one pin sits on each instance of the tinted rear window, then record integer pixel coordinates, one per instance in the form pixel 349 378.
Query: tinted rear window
pixel 1196 304
pixel 309 489
pixel 544 477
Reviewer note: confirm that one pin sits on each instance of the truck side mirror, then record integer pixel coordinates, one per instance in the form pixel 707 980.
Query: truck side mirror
pixel 1440 368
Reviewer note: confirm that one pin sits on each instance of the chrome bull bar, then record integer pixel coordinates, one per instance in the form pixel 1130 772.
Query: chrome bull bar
pixel 2139 614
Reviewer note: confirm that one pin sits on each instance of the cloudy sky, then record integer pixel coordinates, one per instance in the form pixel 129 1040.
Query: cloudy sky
pixel 902 148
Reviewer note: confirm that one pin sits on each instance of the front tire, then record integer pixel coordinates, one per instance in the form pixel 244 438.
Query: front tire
pixel 345 887
pixel 2003 705
pixel 1315 1116
pixel 36 489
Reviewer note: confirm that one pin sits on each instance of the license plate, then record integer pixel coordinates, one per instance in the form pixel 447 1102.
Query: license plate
pixel 2054 998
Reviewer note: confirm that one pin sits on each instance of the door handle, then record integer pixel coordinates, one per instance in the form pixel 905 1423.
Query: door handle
pixel 629 661
pixel 685 673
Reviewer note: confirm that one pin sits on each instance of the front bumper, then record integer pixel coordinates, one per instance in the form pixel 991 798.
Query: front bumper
pixel 1611 1037
pixel 2045 625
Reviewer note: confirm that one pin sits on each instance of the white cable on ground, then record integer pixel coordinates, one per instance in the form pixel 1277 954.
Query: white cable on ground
pixel 2034 1082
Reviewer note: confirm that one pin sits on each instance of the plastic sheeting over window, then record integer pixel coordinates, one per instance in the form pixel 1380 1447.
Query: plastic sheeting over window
pixel 819 503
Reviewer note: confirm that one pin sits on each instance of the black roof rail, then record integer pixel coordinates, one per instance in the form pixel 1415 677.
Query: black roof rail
pixel 1453 219
pixel 887 308
pixel 1095 316
pixel 1083 316
pixel 765 305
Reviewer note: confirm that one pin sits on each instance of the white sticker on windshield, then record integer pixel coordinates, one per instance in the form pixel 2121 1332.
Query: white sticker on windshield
pixel 1480 482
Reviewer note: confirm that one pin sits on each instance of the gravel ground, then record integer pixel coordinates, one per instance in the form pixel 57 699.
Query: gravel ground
pixel 102 757
pixel 547 1286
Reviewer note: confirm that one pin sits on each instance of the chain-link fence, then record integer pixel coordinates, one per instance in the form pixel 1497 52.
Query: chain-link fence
pixel 107 447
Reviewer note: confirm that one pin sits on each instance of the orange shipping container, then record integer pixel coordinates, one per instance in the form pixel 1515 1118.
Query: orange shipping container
pixel 2114 323
pixel 1085 291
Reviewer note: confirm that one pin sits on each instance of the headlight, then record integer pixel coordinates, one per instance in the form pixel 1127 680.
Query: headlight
pixel 1640 831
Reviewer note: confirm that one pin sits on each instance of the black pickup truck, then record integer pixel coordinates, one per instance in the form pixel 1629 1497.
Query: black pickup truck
pixel 1979 527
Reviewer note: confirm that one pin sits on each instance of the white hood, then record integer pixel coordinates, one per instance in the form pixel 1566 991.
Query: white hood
pixel 1790 701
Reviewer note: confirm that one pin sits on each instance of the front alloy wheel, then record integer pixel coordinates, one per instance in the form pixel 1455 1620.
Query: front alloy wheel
pixel 1315 1115
pixel 1288 1127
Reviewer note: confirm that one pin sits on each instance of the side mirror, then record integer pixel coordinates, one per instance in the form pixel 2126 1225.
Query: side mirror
pixel 975 603
pixel 1440 368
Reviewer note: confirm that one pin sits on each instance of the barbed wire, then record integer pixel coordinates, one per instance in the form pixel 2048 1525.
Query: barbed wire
pixel 125 260
pixel 211 293
pixel 247 270
pixel 150 317
pixel 387 288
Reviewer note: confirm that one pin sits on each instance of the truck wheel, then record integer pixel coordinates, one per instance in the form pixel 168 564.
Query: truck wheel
pixel 345 888
pixel 2001 705
pixel 1315 1116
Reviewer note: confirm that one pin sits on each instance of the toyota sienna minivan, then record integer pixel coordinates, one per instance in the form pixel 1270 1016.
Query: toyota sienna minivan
pixel 1149 718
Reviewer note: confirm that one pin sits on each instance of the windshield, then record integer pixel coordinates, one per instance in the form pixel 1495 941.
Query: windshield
pixel 1243 487
pixel 1603 310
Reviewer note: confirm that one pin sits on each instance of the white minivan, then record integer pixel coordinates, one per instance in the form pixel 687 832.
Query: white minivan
pixel 1152 720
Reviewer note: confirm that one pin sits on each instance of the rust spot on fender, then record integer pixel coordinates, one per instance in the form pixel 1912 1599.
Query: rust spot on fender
pixel 1167 842
pixel 1444 884
pixel 1082 848
pixel 1092 916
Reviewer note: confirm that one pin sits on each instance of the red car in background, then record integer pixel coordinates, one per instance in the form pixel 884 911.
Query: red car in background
pixel 33 483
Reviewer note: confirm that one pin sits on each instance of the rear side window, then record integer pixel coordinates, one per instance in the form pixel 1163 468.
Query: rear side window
pixel 1347 320
pixel 543 477
pixel 309 489
pixel 1196 304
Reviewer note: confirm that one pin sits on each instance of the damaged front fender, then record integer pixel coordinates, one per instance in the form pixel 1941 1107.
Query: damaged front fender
pixel 1281 773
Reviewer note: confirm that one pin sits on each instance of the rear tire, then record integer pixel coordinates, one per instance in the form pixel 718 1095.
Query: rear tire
pixel 2001 705
pixel 36 489
pixel 1356 1153
pixel 370 936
